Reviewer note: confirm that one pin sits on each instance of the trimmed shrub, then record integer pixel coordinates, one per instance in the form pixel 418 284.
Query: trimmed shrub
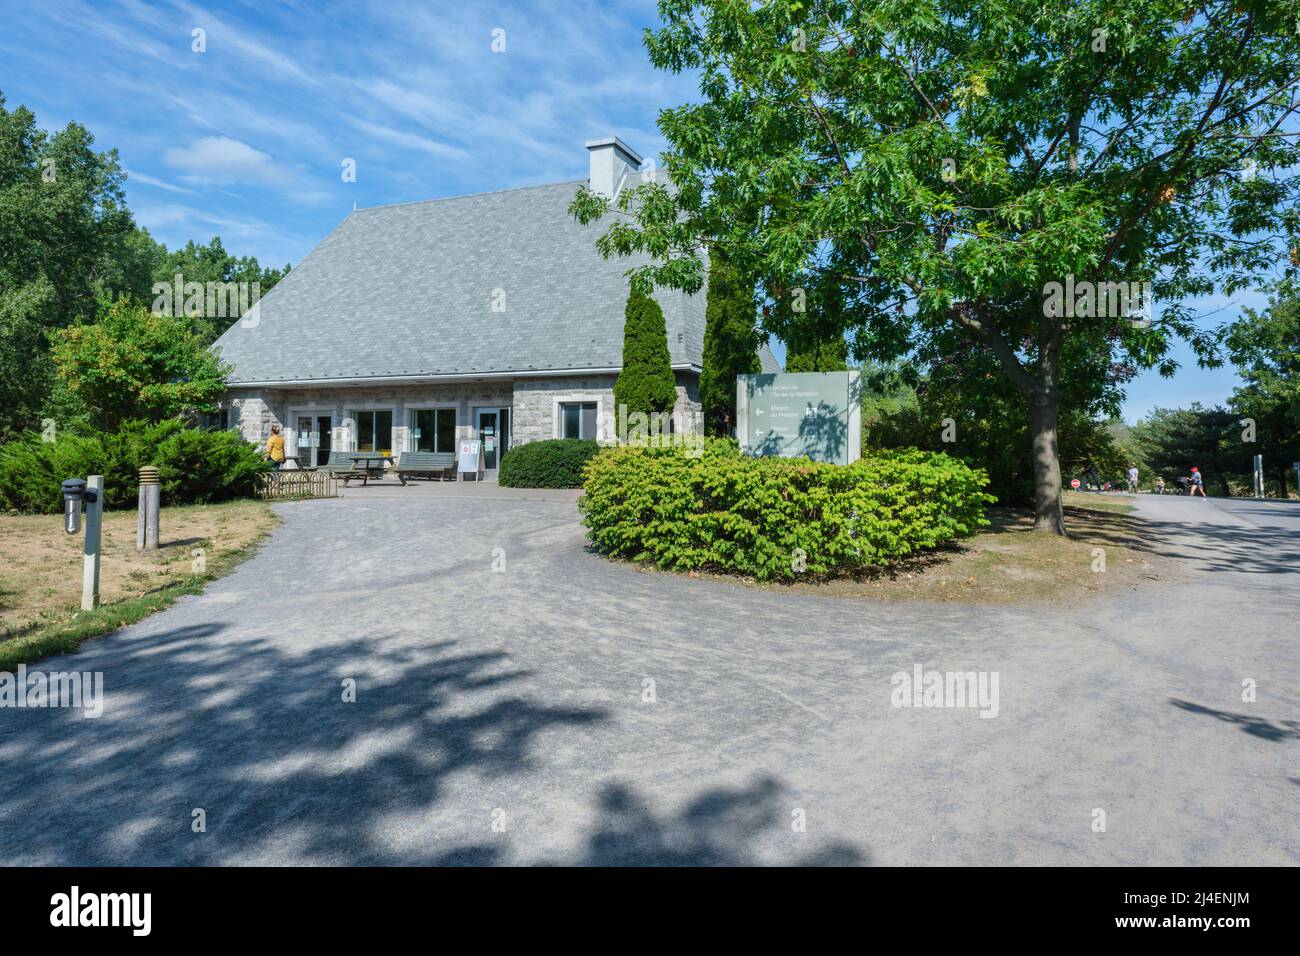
pixel 555 463
pixel 194 467
pixel 759 516
pixel 646 382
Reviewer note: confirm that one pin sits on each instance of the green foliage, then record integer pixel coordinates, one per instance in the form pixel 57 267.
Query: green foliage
pixel 813 352
pixel 812 331
pixel 554 463
pixel 135 364
pixel 646 383
pixel 988 424
pixel 933 166
pixel 757 516
pixel 1265 347
pixel 62 222
pixel 195 467
pixel 1174 439
pixel 67 241
pixel 204 264
pixel 730 342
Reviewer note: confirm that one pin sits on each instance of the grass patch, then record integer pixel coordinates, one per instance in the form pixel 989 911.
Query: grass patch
pixel 1009 563
pixel 40 594
pixel 1099 501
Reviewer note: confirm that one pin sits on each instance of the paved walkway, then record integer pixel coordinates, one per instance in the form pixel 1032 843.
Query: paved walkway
pixel 503 716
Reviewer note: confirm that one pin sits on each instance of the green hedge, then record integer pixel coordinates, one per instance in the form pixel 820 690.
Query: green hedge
pixel 725 512
pixel 555 463
pixel 195 467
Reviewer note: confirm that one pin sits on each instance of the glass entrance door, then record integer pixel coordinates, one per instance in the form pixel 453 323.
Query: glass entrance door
pixel 314 437
pixel 489 432
pixel 323 439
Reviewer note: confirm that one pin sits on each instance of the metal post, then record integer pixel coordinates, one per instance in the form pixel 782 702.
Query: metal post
pixel 90 561
pixel 1259 476
pixel 146 527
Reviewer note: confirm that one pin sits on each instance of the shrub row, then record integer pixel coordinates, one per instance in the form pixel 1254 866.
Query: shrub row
pixel 555 463
pixel 195 467
pixel 759 516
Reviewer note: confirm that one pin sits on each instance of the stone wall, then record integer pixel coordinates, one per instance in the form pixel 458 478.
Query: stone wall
pixel 536 400
pixel 532 402
pixel 258 410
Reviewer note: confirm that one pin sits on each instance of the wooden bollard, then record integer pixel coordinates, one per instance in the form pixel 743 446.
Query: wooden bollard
pixel 146 529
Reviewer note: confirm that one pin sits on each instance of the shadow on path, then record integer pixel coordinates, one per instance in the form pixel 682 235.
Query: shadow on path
pixel 716 828
pixel 1278 732
pixel 1246 549
pixel 258 736
pixel 263 742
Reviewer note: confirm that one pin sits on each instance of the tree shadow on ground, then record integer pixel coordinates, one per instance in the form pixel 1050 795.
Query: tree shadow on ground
pixel 261 739
pixel 1278 732
pixel 258 736
pixel 1245 549
pixel 719 827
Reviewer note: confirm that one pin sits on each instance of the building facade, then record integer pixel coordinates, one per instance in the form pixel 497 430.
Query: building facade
pixel 490 316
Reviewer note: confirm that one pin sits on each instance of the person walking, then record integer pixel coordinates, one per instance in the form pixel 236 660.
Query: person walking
pixel 275 448
pixel 1160 484
pixel 1132 478
pixel 1198 483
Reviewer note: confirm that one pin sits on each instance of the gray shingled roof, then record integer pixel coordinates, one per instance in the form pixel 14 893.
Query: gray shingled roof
pixel 407 290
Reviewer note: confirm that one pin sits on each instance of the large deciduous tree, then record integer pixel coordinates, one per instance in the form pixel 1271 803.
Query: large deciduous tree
pixel 936 165
pixel 134 364
pixel 62 223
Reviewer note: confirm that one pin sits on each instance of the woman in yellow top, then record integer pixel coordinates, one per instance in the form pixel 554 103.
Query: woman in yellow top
pixel 275 447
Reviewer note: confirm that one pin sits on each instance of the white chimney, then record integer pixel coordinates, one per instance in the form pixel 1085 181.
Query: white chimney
pixel 612 161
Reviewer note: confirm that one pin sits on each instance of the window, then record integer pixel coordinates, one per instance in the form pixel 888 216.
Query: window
pixel 578 420
pixel 374 430
pixel 437 428
pixel 218 420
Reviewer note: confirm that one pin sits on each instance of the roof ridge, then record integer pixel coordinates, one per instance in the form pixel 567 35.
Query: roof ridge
pixel 486 192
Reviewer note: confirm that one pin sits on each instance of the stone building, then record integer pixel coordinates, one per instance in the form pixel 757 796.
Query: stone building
pixel 489 316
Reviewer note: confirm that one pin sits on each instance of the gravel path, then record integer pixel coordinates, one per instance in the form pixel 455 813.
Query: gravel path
pixel 504 716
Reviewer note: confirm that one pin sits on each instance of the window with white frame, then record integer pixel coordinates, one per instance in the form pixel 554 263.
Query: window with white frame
pixel 578 420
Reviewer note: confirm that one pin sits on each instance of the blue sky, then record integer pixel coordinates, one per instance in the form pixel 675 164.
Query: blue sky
pixel 246 140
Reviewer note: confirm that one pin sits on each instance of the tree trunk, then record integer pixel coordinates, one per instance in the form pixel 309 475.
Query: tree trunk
pixel 1049 514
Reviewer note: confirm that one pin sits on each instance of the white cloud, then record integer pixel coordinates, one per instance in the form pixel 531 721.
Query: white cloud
pixel 136 177
pixel 413 141
pixel 220 159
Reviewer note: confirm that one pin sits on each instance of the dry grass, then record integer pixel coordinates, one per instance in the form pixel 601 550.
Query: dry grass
pixel 40 565
pixel 1009 564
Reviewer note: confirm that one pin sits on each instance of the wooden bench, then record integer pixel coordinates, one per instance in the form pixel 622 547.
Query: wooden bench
pixel 340 465
pixel 426 464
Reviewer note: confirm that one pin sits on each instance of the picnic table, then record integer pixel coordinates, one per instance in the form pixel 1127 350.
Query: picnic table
pixel 363 460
